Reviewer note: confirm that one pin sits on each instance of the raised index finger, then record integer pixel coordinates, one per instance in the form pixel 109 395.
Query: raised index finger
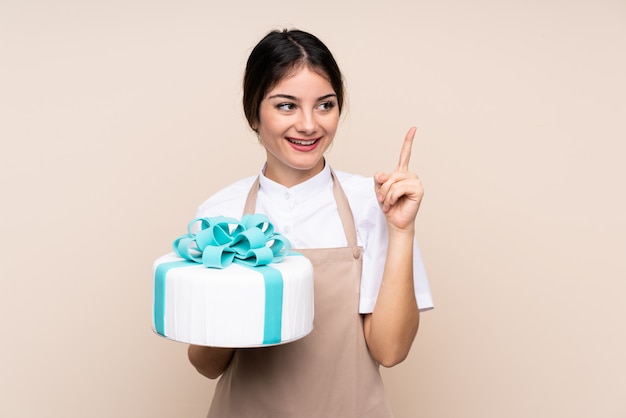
pixel 405 153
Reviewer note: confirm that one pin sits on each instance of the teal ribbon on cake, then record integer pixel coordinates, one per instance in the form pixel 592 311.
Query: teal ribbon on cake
pixel 221 241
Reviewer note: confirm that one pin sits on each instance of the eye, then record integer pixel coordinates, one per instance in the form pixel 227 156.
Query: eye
pixel 329 105
pixel 286 106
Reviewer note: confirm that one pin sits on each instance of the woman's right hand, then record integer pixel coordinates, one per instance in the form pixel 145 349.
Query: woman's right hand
pixel 210 361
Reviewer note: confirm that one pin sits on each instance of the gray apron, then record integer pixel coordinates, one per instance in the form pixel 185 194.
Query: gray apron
pixel 327 374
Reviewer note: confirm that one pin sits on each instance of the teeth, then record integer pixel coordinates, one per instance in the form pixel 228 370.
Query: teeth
pixel 311 142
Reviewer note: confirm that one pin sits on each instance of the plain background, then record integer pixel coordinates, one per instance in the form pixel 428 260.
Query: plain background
pixel 118 118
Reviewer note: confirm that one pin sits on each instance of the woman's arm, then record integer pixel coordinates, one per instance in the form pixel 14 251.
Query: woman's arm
pixel 210 361
pixel 391 328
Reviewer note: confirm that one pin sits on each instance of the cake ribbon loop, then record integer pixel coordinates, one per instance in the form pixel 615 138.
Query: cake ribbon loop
pixel 221 241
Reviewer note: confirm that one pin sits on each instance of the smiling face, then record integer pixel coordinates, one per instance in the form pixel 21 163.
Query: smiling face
pixel 298 119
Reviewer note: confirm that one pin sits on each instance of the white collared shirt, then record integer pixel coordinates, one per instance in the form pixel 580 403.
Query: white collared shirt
pixel 307 215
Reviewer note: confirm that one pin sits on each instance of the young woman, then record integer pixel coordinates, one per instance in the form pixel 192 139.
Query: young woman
pixel 358 232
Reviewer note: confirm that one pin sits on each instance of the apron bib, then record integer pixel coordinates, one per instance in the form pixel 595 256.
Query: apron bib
pixel 329 373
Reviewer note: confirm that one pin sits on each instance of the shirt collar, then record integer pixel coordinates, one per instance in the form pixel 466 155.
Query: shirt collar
pixel 301 191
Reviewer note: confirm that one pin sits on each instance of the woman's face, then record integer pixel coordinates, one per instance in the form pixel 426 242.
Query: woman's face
pixel 298 119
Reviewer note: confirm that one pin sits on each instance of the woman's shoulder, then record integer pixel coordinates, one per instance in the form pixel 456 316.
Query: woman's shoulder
pixel 356 185
pixel 360 192
pixel 368 217
pixel 228 201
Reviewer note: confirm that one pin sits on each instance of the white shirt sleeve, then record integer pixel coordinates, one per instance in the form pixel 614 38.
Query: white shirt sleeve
pixel 372 230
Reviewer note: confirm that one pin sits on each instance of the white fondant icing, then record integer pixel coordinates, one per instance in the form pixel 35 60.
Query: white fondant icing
pixel 226 307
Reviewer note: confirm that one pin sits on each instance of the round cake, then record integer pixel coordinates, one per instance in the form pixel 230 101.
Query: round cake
pixel 238 305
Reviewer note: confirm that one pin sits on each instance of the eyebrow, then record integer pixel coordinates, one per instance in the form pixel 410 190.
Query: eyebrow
pixel 295 99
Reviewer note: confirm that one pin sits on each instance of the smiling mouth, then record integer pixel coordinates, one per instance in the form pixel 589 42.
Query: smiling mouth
pixel 303 142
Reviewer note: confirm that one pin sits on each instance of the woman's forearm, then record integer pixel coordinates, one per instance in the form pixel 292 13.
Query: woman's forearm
pixel 391 328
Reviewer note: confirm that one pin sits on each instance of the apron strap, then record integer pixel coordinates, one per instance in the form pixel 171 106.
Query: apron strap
pixel 250 205
pixel 343 207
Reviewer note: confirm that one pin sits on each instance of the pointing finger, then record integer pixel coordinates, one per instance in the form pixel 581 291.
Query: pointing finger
pixel 405 153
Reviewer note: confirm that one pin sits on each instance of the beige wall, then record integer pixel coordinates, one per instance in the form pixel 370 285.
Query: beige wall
pixel 117 118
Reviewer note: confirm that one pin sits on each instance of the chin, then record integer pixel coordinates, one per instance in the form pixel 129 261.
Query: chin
pixel 317 165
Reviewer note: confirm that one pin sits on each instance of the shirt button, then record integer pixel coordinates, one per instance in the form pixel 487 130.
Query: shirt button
pixel 287 196
pixel 287 229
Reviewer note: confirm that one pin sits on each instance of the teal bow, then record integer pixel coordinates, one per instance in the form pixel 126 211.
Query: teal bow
pixel 221 241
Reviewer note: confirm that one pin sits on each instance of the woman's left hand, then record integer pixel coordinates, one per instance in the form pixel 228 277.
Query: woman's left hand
pixel 400 192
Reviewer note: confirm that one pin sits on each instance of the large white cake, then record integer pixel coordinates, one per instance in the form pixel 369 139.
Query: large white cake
pixel 237 305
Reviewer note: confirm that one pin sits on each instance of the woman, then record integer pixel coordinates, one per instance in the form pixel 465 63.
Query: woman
pixel 358 232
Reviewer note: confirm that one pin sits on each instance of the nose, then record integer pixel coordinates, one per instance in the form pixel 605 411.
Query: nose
pixel 306 123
